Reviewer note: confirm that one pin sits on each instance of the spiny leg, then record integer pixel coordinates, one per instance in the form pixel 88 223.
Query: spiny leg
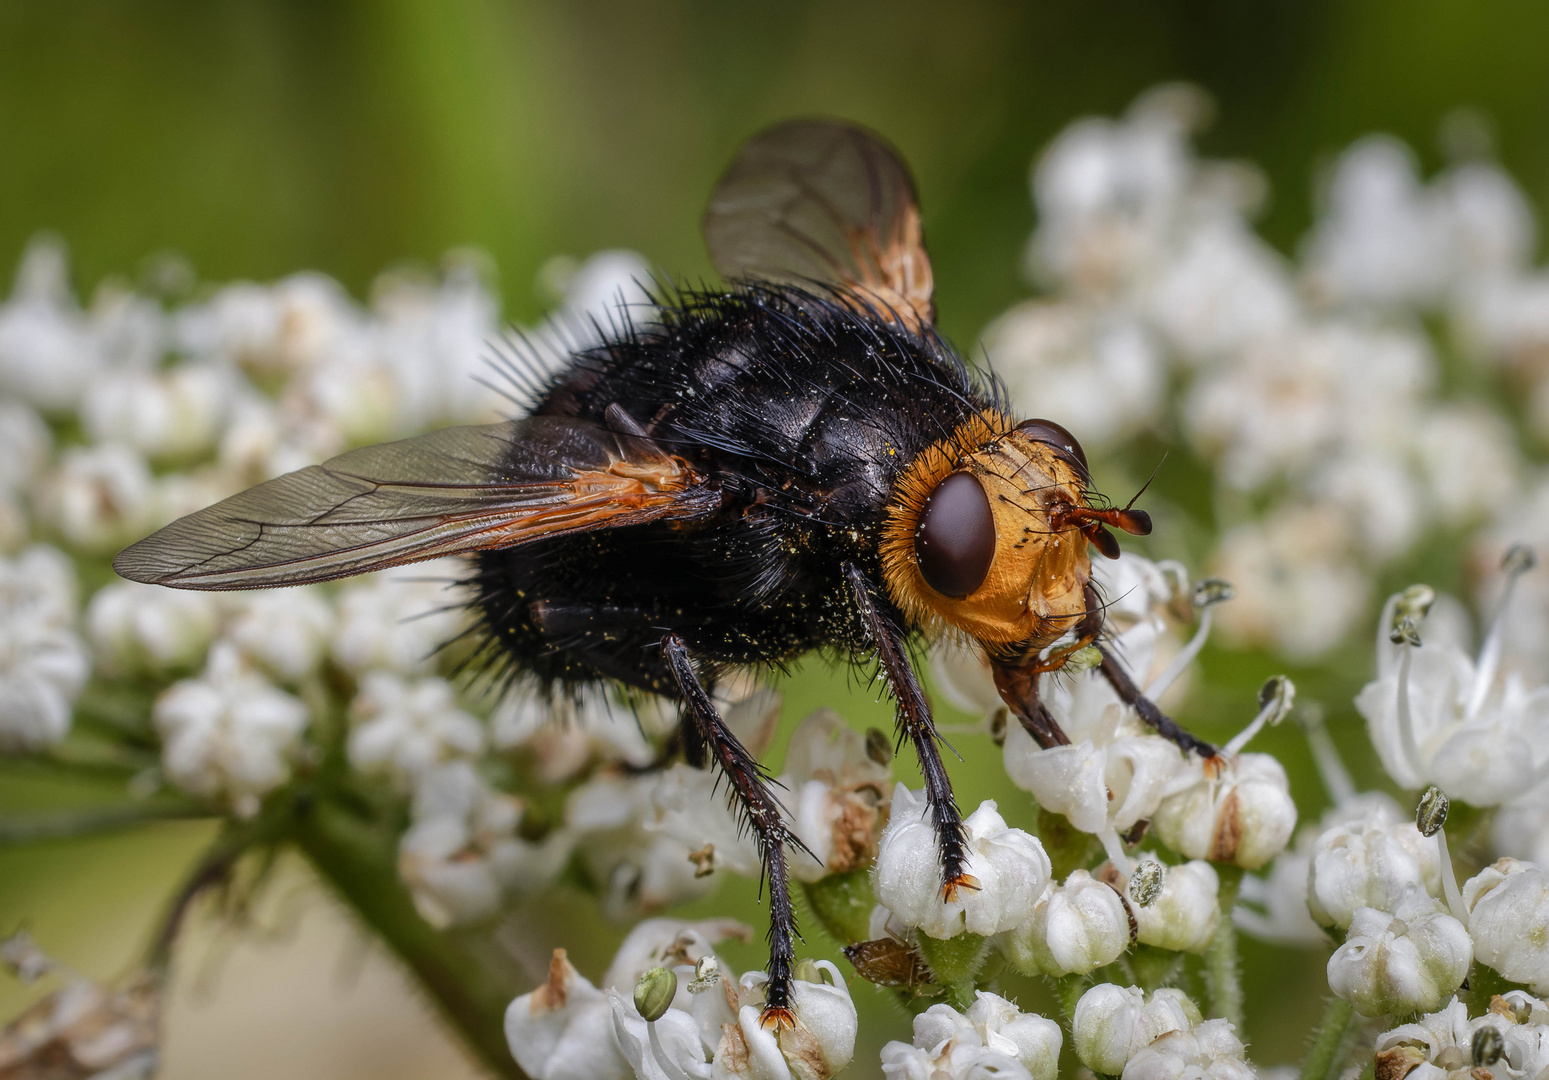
pixel 761 812
pixel 1018 688
pixel 1164 725
pixel 1016 677
pixel 914 719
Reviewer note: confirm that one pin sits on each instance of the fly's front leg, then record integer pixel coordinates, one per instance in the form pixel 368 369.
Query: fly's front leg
pixel 1164 725
pixel 1016 677
pixel 914 720
pixel 1128 692
pixel 761 812
pixel 1017 684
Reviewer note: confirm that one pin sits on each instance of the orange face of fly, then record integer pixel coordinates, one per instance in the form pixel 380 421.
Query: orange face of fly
pixel 987 533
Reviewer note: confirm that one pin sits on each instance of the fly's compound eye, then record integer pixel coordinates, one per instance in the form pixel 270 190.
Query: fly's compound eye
pixel 955 543
pixel 1064 443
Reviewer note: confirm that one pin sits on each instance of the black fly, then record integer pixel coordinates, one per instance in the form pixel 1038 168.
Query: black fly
pixel 796 463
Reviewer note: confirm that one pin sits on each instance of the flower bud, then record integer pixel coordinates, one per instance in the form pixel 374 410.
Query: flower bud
pixel 1244 815
pixel 654 992
pixel 1112 1023
pixel 1184 912
pixel 562 1029
pixel 1076 927
pixel 1407 961
pixel 1009 865
pixel 1368 862
pixel 1508 904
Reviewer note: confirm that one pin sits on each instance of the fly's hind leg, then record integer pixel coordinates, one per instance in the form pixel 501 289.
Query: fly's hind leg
pixel 914 721
pixel 713 740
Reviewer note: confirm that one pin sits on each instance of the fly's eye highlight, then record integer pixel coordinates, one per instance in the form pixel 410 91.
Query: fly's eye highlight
pixel 955 543
pixel 1047 431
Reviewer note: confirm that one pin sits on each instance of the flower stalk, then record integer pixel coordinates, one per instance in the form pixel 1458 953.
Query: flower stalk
pixel 1330 1045
pixel 1223 973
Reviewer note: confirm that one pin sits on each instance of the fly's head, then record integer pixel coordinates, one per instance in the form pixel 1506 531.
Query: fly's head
pixel 988 530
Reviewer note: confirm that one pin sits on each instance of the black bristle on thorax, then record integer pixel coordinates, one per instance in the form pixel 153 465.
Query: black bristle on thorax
pixel 803 408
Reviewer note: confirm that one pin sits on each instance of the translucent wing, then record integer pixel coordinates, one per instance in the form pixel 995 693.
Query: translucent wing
pixel 820 200
pixel 456 490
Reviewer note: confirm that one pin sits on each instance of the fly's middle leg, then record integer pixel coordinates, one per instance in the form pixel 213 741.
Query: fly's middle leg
pixel 915 724
pixel 761 811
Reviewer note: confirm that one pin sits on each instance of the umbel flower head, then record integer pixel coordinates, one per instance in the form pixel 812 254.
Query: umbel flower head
pixel 1440 716
pixel 1409 960
pixel 1508 906
pixel 992 1039
pixel 1114 1023
pixel 1009 866
pixel 1076 927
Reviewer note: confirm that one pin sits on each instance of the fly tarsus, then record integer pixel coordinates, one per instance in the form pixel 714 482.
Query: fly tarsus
pixel 761 814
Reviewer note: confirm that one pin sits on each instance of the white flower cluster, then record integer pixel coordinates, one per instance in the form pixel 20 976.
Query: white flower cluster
pixel 1311 388
pixel 1121 1031
pixel 1512 1037
pixel 657 838
pixel 697 1020
pixel 462 856
pixel 233 726
pixel 991 1039
pixel 43 662
pixel 117 417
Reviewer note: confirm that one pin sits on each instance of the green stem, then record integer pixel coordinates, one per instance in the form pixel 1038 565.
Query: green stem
pixel 1223 977
pixel 1325 1055
pixel 214 867
pixel 955 960
pixel 99 819
pixel 843 904
pixel 360 864
pixel 1069 988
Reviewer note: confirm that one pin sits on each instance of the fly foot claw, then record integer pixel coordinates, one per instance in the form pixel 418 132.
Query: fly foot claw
pixel 775 1017
pixel 962 881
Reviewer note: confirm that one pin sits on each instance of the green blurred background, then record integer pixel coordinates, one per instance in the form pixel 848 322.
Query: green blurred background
pixel 262 138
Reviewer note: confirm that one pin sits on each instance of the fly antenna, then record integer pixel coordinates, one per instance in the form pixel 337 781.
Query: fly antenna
pixel 1150 478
